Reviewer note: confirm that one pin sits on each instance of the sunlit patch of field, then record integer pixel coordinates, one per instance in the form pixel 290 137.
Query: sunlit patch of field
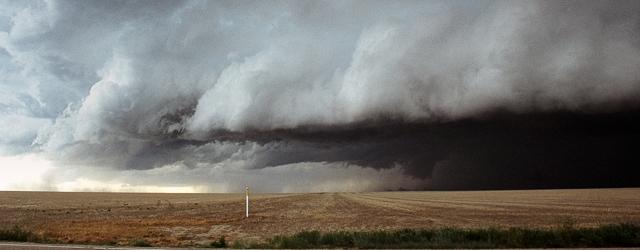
pixel 198 219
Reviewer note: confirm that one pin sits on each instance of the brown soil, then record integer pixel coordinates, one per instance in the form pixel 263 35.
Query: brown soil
pixel 198 219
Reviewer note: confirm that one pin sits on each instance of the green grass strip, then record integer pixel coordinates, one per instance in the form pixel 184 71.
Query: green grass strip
pixel 619 235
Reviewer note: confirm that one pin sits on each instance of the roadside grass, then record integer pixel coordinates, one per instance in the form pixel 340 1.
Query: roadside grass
pixel 614 235
pixel 140 243
pixel 220 243
pixel 618 235
pixel 19 234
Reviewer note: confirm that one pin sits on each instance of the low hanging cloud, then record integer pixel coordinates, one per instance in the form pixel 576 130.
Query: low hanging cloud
pixel 393 94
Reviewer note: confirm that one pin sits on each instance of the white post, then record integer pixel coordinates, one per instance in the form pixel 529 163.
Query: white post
pixel 246 192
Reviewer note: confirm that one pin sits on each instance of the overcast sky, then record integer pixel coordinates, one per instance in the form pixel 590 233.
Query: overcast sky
pixel 298 96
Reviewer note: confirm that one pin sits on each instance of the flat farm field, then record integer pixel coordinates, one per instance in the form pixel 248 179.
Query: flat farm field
pixel 198 219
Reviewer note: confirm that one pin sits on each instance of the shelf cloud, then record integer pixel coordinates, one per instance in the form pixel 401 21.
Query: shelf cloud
pixel 322 95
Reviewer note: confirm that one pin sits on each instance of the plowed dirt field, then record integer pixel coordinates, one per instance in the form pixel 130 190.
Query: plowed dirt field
pixel 197 219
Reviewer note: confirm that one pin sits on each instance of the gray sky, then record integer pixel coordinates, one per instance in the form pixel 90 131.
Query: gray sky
pixel 213 95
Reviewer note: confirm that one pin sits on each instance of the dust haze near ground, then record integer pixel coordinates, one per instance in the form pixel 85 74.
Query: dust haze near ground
pixel 192 219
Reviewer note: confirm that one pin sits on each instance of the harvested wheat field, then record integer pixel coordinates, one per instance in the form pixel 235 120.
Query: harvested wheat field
pixel 198 219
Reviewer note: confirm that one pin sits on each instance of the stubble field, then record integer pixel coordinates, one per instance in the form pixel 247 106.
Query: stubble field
pixel 198 219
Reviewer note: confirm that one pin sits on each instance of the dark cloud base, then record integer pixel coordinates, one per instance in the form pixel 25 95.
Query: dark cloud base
pixel 500 150
pixel 553 150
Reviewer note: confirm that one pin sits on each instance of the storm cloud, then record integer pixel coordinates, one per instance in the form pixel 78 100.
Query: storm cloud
pixel 322 95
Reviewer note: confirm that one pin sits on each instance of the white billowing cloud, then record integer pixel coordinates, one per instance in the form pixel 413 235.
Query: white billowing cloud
pixel 288 70
pixel 143 85
pixel 268 91
pixel 511 55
